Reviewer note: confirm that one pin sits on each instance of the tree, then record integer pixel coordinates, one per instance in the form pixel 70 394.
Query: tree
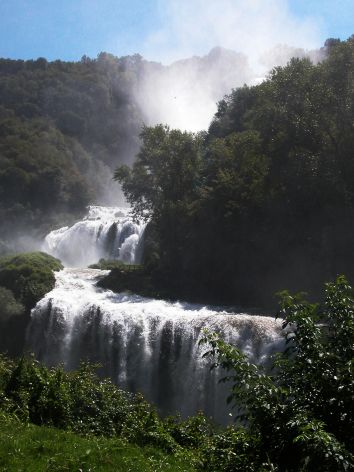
pixel 165 171
pixel 162 185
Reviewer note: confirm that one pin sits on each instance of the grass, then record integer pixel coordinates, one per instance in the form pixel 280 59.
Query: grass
pixel 29 448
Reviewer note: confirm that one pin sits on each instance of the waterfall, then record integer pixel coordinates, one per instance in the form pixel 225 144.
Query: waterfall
pixel 106 232
pixel 144 345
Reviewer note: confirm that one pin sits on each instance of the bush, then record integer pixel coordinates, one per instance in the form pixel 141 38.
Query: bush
pixel 80 402
pixel 231 450
pixel 192 432
pixel 302 412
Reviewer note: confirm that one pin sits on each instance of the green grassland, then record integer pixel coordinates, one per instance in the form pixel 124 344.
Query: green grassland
pixel 30 448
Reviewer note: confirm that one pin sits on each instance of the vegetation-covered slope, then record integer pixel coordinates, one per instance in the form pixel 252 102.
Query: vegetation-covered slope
pixel 29 275
pixel 265 198
pixel 65 125
pixel 62 126
pixel 35 449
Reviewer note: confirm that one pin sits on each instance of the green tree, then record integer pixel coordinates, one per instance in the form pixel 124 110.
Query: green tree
pixel 270 201
pixel 162 185
pixel 165 170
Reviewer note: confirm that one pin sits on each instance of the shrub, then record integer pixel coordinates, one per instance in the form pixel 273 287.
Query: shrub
pixel 79 401
pixel 302 412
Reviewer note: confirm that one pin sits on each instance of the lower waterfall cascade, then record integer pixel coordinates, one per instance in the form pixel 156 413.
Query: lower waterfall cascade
pixel 143 344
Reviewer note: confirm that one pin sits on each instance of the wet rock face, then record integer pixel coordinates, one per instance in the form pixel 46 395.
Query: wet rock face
pixel 109 244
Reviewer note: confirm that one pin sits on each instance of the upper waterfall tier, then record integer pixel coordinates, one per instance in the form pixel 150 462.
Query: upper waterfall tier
pixel 144 345
pixel 106 232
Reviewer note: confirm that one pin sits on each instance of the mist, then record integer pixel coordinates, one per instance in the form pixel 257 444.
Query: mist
pixel 184 94
pixel 238 42
pixel 251 27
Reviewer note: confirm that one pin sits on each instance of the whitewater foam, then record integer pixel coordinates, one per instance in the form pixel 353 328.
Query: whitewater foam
pixel 144 345
pixel 106 232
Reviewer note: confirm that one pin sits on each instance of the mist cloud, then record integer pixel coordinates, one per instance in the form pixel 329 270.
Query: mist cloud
pixel 254 36
pixel 249 26
pixel 184 95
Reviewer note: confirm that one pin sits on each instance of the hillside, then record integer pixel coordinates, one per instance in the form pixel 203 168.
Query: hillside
pixel 64 127
pixel 263 200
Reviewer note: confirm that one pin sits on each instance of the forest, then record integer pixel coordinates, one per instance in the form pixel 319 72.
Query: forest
pixel 62 126
pixel 263 199
pixel 65 126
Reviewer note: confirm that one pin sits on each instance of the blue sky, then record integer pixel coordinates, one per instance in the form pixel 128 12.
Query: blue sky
pixel 165 30
pixel 336 16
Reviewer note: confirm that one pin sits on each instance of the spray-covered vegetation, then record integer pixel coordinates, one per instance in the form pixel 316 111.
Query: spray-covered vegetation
pixel 297 417
pixel 265 198
pixel 62 127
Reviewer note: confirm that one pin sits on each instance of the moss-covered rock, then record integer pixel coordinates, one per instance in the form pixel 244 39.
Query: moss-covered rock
pixel 24 279
pixel 28 275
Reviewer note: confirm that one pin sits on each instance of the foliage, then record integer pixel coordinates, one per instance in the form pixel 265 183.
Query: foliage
pixel 192 432
pixel 301 414
pixel 80 402
pixel 164 172
pixel 29 276
pixel 231 450
pixel 161 185
pixel 265 198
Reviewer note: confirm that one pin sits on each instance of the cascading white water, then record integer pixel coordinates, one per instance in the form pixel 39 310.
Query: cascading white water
pixel 144 345
pixel 106 232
